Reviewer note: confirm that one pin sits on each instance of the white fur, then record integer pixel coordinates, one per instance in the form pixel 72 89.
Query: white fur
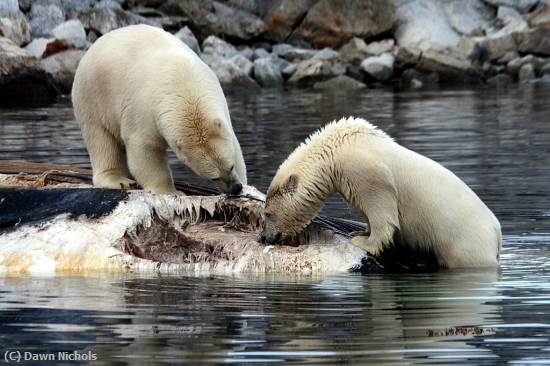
pixel 395 189
pixel 139 90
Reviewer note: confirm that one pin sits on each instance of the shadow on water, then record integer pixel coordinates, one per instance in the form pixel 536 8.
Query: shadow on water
pixel 496 141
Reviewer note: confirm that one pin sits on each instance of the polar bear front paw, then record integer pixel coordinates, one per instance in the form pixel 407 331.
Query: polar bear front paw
pixel 362 241
pixel 114 181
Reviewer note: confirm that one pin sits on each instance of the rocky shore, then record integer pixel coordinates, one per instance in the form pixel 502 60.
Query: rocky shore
pixel 319 44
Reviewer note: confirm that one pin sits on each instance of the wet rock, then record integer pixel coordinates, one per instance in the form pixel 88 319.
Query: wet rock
pixel 540 18
pixel 247 52
pixel 522 6
pixel 380 47
pixel 243 63
pixel 71 31
pixel 339 83
pixel 422 24
pixel 62 67
pixel 217 46
pixel 407 57
pixel 314 70
pixel 416 79
pixel 471 17
pixel 379 67
pixel 534 41
pixel 229 74
pixel 44 47
pixel 449 66
pixel 526 73
pixel 109 4
pixel 500 81
pixel 289 70
pixel 104 20
pixel 545 70
pixel 260 53
pixel 495 47
pixel 13 23
pixel 326 53
pixel 45 15
pixel 20 77
pixel 513 67
pixel 291 53
pixel 333 23
pixel 71 7
pixel 186 36
pixel 284 16
pixel 267 73
pixel 354 51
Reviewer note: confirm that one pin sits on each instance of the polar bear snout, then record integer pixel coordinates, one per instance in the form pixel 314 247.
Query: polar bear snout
pixel 230 185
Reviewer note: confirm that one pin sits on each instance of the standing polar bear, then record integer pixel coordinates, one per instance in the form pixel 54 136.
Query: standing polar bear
pixel 139 90
pixel 407 199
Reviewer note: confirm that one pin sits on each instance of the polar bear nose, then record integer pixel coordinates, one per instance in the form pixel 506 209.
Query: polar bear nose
pixel 236 188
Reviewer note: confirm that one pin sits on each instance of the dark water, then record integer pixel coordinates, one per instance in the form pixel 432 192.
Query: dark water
pixel 496 141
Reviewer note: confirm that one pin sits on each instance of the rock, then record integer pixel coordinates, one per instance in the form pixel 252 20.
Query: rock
pixel 62 66
pixel 256 7
pixel 354 51
pixel 508 56
pixel 470 17
pixel 13 23
pixel 540 18
pixel 71 7
pixel 71 31
pixel 380 47
pixel 284 17
pixel 526 73
pixel 495 47
pixel 289 70
pixel 449 66
pixel 291 53
pixel 534 41
pixel 109 4
pixel 379 67
pixel 416 79
pixel 44 47
pixel 104 20
pixel 523 6
pixel 500 80
pixel 545 70
pixel 238 24
pixel 243 63
pixel 260 53
pixel 216 46
pixel 326 53
pixel 228 73
pixel 333 23
pixel 470 49
pixel 314 70
pixel 422 24
pixel 92 36
pixel 407 57
pixel 339 83
pixel 20 77
pixel 45 15
pixel 510 21
pixel 145 3
pixel 247 52
pixel 186 36
pixel 267 73
pixel 513 67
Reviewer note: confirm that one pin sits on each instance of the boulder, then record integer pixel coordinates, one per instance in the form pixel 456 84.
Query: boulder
pixel 422 24
pixel 540 18
pixel 500 80
pixel 416 79
pixel 13 23
pixel 218 47
pixel 62 67
pixel 228 73
pixel 508 56
pixel 333 23
pixel 291 53
pixel 284 16
pixel 316 69
pixel 21 80
pixel 339 83
pixel 260 53
pixel 470 17
pixel 289 70
pixel 111 4
pixel 71 31
pixel 256 7
pixel 267 73
pixel 526 73
pixel 379 67
pixel 354 51
pixel 326 53
pixel 523 6
pixel 243 63
pixel 71 7
pixel 513 67
pixel 449 66
pixel 45 15
pixel 104 20
pixel 534 41
pixel 44 47
pixel 380 47
pixel 145 3
pixel 186 36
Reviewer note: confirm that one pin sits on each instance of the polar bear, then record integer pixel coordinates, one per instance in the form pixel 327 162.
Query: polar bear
pixel 139 90
pixel 407 199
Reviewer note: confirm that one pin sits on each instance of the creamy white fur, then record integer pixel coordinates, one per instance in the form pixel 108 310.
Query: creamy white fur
pixel 139 90
pixel 396 190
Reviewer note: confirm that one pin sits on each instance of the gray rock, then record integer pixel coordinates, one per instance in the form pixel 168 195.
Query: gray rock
pixel 281 64
pixel 526 73
pixel 92 36
pixel 291 53
pixel 13 23
pixel 71 7
pixel 508 56
pixel 145 3
pixel 470 17
pixel 62 67
pixel 45 15
pixel 513 67
pixel 24 5
pixel 314 70
pixel 256 7
pixel 380 47
pixel 339 83
pixel 284 16
pixel 500 80
pixel 540 18
pixel 260 53
pixel 248 53
pixel 326 53
pixel 104 20
pixel 422 24
pixel 448 65
pixel 354 51
pixel 44 47
pixel 545 70
pixel 229 74
pixel 71 31
pixel 267 73
pixel 333 23
pixel 289 70
pixel 14 58
pixel 416 79
pixel 237 23
pixel 522 6
pixel 379 67
pixel 218 47
pixel 243 63
pixel 110 4
pixel 186 36
pixel 534 41
pixel 509 21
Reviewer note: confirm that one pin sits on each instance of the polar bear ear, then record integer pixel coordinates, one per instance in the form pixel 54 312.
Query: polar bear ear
pixel 291 183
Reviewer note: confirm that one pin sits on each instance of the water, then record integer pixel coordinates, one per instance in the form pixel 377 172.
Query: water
pixel 496 141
